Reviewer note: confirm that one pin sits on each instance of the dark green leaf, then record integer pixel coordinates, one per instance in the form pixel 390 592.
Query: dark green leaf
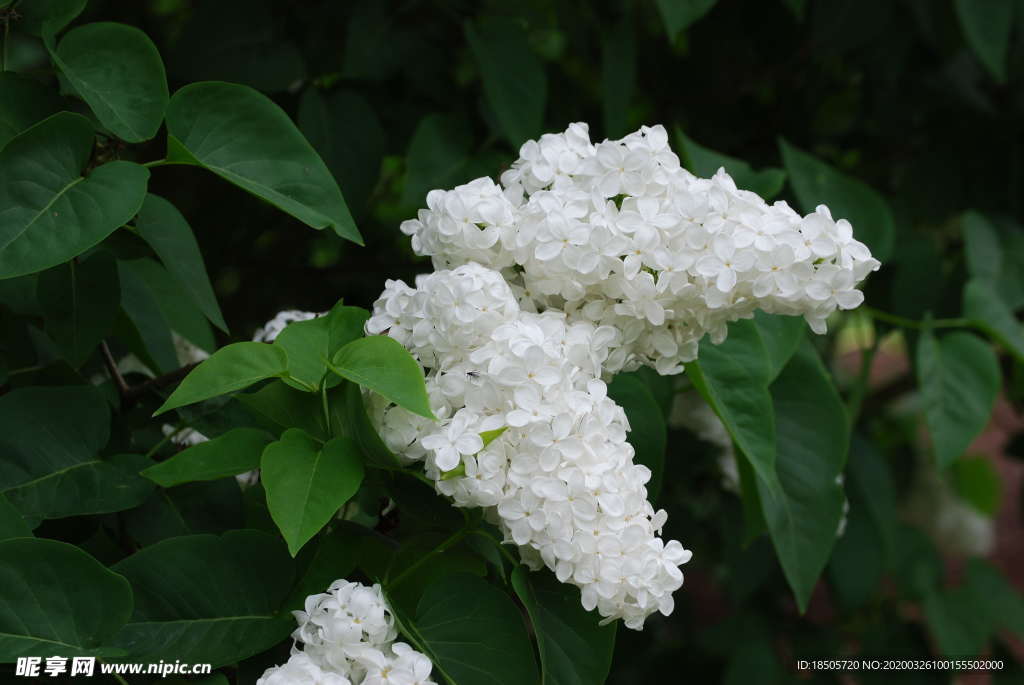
pixel 953 618
pixel 55 598
pixel 705 163
pixel 978 483
pixel 982 304
pixel 348 416
pixel 781 336
pixel 48 16
pixel 288 408
pixel 574 649
pixel 437 156
pixel 648 433
pixel 986 26
pixel 202 507
pixel 230 368
pixel 981 241
pixel 345 130
pixel 80 301
pixel 162 226
pixel 307 483
pixel 514 80
pixel 207 598
pixel 237 451
pixel 382 364
pixel 23 102
pixel 959 379
pixel 180 313
pixel 473 633
pixel 89 487
pixel 49 212
pixel 243 137
pixel 996 597
pixel 144 322
pixel 12 525
pixel 117 70
pixel 680 14
pixel 816 183
pixel 332 557
pixel 811 442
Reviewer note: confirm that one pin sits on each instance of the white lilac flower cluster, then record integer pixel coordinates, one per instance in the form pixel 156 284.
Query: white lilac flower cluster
pixel 559 480
pixel 618 234
pixel 585 261
pixel 348 638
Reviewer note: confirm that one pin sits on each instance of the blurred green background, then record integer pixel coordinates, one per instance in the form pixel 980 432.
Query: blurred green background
pixel 919 99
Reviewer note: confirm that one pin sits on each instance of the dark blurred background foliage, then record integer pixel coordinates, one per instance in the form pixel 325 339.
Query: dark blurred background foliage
pixel 908 96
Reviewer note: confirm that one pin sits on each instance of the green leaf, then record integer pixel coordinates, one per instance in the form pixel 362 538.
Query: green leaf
pixel 473 633
pixel 705 162
pixel 180 313
pixel 678 15
pixel 23 102
pixel 781 336
pixel 207 598
pixel 288 408
pixel 815 183
pixel 344 324
pixel 237 451
pixel 977 482
pixel 345 130
pixel 333 556
pixel 515 84
pixel 983 305
pixel 142 311
pixel 487 437
pixel 349 413
pixel 996 596
pixel 48 16
pixel 56 599
pixel 230 368
pixel 243 137
pixel 307 345
pixel 307 483
pixel 959 379
pixel 89 487
pixel 574 648
pixel 733 378
pixel 812 438
pixel 162 226
pixel 49 212
pixel 982 245
pixel 382 364
pixel 12 524
pixel 648 433
pixel 986 26
pixel 437 156
pixel 953 618
pixel 117 70
pixel 80 302
pixel 212 506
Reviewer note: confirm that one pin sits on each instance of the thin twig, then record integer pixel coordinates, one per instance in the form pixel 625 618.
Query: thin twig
pixel 135 392
pixel 108 359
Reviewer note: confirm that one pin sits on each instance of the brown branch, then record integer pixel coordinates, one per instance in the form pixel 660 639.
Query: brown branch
pixel 108 359
pixel 136 392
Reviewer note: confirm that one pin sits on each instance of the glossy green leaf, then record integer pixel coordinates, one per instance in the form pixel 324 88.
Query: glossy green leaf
pixel 307 483
pixel 986 26
pixel 705 162
pixel 48 16
pixel 243 137
pixel 162 226
pixel 230 368
pixel 815 183
pixel 382 364
pixel 977 482
pixel 345 130
pixel 515 84
pixel 733 378
pixel 678 15
pixel 80 301
pixel 344 324
pixel 648 433
pixel 288 408
pixel 307 345
pixel 117 70
pixel 959 379
pixel 207 598
pixel 437 157
pixel 49 212
pixel 56 599
pixel 237 451
pixel 23 102
pixel 12 524
pixel 94 486
pixel 812 437
pixel 473 633
pixel 982 304
pixel 574 648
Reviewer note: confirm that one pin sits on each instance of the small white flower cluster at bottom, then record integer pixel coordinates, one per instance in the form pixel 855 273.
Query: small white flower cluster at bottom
pixel 348 635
